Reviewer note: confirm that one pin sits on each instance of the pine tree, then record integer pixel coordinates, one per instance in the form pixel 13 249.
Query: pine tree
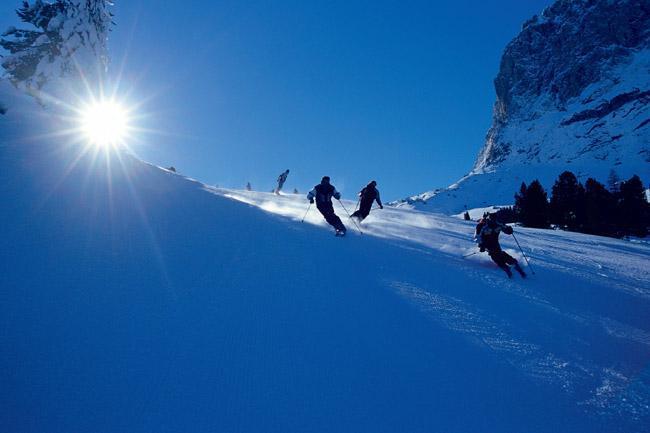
pixel 506 215
pixel 520 202
pixel 566 207
pixel 531 205
pixel 632 207
pixel 599 209
pixel 613 181
pixel 67 39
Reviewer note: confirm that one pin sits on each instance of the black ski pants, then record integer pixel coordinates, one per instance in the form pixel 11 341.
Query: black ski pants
pixel 501 258
pixel 331 218
pixel 364 209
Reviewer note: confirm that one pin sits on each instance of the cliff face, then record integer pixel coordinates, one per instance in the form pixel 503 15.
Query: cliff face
pixel 572 46
pixel 573 93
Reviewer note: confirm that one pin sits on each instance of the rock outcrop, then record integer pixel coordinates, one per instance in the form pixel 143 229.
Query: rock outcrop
pixel 573 93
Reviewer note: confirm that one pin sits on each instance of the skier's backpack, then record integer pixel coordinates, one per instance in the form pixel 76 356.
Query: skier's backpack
pixel 368 194
pixel 479 227
pixel 324 193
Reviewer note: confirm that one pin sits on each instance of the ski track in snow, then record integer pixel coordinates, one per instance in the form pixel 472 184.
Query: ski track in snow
pixel 598 385
pixel 621 330
pixel 605 390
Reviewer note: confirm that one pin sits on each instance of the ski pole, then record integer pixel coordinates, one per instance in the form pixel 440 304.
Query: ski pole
pixel 470 254
pixel 349 216
pixel 522 253
pixel 303 218
pixel 357 206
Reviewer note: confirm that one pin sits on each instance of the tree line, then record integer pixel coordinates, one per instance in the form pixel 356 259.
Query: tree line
pixel 621 209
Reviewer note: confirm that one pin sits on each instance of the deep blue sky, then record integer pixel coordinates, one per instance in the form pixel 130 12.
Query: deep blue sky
pixel 238 91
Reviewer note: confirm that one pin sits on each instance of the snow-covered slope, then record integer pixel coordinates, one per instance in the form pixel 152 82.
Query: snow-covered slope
pixel 133 299
pixel 573 93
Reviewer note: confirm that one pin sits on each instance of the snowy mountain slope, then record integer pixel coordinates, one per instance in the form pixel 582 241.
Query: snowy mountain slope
pixel 134 299
pixel 573 93
pixel 622 263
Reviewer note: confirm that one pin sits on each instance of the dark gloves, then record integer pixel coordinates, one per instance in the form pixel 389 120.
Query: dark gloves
pixel 381 207
pixel 481 248
pixel 507 230
pixel 311 200
pixel 337 196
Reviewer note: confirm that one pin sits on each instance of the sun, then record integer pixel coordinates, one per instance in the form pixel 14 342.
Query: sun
pixel 105 123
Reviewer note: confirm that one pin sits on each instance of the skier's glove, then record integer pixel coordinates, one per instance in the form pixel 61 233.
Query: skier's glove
pixel 337 196
pixel 507 230
pixel 481 248
pixel 381 207
pixel 311 201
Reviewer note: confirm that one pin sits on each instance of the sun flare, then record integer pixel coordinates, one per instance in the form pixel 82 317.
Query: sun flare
pixel 105 123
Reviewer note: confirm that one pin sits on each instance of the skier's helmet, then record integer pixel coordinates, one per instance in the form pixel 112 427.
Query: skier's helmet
pixel 325 179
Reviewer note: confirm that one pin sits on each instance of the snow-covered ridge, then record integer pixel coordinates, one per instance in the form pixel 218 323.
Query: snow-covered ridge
pixel 573 93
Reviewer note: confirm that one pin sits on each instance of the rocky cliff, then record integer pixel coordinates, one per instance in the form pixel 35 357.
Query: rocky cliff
pixel 573 93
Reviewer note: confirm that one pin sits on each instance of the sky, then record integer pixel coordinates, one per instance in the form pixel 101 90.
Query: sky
pixel 231 92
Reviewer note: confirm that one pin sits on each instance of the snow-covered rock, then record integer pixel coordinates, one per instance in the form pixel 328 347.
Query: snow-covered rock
pixel 573 93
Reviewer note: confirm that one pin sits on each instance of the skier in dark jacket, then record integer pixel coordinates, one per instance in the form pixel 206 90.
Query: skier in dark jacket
pixel 488 230
pixel 281 180
pixel 481 223
pixel 366 197
pixel 323 194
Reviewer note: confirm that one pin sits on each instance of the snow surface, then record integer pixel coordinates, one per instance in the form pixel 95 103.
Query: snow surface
pixel 134 299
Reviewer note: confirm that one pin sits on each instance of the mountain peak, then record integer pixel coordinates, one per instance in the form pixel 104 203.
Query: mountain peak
pixel 572 93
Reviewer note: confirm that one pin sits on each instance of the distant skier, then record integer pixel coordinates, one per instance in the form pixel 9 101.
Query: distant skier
pixel 281 180
pixel 323 194
pixel 487 235
pixel 366 197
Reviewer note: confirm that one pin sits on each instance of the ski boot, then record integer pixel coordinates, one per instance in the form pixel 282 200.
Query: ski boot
pixel 507 270
pixel 521 271
pixel 340 233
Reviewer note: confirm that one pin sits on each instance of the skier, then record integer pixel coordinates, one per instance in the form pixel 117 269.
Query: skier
pixel 281 180
pixel 481 223
pixel 488 230
pixel 366 197
pixel 323 194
